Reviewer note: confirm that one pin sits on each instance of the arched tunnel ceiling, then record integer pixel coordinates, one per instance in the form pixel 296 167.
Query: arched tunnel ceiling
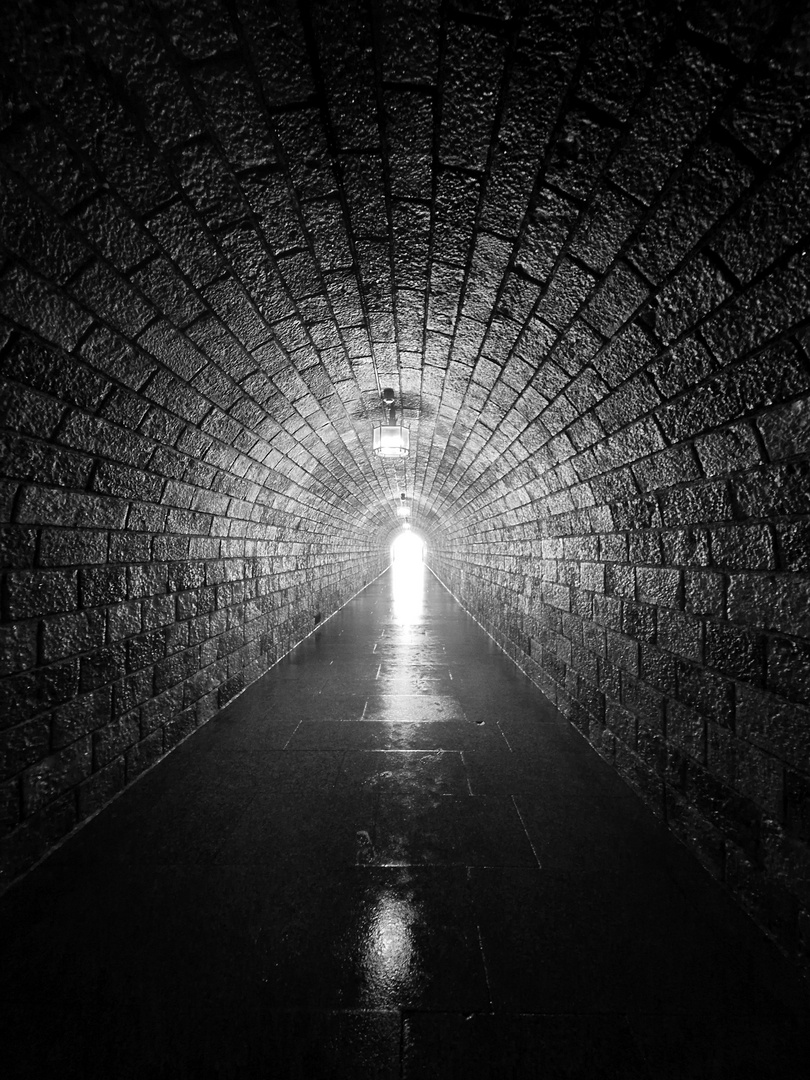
pixel 530 219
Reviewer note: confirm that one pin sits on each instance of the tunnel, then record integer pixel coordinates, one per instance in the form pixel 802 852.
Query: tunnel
pixel 554 251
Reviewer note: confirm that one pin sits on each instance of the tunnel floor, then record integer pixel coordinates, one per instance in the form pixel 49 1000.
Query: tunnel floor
pixel 390 857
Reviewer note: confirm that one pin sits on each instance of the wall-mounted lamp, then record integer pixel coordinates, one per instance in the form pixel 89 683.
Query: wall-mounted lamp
pixel 390 440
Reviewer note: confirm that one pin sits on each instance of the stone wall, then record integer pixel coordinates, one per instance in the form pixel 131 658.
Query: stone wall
pixel 150 571
pixel 671 626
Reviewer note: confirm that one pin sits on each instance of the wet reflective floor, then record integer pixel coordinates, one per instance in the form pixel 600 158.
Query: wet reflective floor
pixel 389 858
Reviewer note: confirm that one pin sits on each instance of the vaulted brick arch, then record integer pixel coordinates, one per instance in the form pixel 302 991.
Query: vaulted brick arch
pixel 571 236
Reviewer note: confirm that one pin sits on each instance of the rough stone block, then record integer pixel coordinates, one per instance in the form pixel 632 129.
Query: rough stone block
pixel 743 547
pixel 18 647
pixel 735 652
pixel 788 669
pixel 771 601
pixel 81 716
pixel 67 635
pixel 704 592
pixel 56 774
pixel 661 587
pixel 144 754
pixel 681 634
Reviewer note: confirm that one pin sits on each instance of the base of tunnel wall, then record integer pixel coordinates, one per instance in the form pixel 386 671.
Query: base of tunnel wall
pixel 682 822
pixel 23 853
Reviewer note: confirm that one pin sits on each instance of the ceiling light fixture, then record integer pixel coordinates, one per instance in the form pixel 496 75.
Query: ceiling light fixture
pixel 390 440
pixel 403 510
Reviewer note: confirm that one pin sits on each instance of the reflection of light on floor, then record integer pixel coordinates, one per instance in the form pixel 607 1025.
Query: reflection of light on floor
pixel 407 578
pixel 388 949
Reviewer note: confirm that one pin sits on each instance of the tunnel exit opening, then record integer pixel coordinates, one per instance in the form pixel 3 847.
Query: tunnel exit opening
pixel 407 549
pixel 407 579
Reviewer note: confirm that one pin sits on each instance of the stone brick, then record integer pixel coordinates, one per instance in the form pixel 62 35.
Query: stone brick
pixel 580 152
pixel 786 430
pixel 102 666
pixel 760 777
pixel 721 753
pixel 773 602
pixel 788 669
pixel 17 548
pixel 623 652
pixel 702 192
pixel 793 540
pixel 145 650
pixel 58 319
pixel 180 727
pixel 66 635
pixel 475 64
pixel 743 547
pixel 769 222
pixel 761 313
pixel 616 299
pixel 18 647
pixel 700 504
pixel 620 580
pixel 114 738
pixel 81 716
pixel 735 652
pixel 681 367
pixel 103 586
pixel 704 592
pixel 686 89
pixel 27 412
pixel 666 468
pixel 621 723
pixel 681 634
pixel 686 547
pixel 31 692
pixel 729 450
pixel 693 292
pixel 658 586
pixel 736 816
pixel 144 754
pixel 706 692
pixel 158 710
pixel 638 621
pixel 696 833
pixel 55 774
pixel 686 729
pixel 21 745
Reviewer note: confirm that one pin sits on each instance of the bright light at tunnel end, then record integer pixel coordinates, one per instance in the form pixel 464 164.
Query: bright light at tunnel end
pixel 407 564
pixel 407 548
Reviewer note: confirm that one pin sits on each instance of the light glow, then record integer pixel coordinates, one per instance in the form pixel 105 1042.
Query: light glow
pixel 391 441
pixel 388 951
pixel 408 571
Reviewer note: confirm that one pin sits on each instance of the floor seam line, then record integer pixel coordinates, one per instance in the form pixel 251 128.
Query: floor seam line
pixel 484 964
pixel 526 831
pixel 287 743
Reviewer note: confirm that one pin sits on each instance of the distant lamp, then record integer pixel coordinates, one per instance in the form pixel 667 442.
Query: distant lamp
pixel 390 440
pixel 403 510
